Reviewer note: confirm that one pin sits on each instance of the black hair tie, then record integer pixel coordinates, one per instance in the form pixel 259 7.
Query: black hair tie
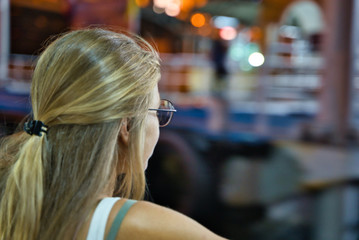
pixel 35 127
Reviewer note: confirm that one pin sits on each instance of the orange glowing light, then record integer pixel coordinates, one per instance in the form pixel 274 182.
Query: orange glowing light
pixel 142 3
pixel 187 5
pixel 198 20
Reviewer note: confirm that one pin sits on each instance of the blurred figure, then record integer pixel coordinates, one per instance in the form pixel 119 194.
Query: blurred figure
pixel 219 53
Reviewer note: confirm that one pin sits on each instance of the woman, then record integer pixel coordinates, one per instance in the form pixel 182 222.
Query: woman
pixel 96 117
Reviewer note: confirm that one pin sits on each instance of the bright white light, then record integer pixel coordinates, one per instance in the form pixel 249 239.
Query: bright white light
pixel 160 3
pixel 256 59
pixel 173 9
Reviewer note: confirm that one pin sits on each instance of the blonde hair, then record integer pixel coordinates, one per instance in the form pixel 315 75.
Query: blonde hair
pixel 84 84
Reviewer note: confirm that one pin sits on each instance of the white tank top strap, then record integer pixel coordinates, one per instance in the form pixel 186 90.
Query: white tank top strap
pixel 99 219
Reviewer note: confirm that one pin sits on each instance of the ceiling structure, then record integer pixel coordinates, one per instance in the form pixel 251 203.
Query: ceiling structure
pixel 245 11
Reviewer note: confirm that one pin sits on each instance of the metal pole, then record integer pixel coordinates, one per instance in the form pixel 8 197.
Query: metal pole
pixel 4 38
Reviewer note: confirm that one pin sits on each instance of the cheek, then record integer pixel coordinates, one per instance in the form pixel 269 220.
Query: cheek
pixel 154 131
pixel 152 135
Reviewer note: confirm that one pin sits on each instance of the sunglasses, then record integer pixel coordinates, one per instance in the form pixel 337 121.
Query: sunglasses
pixel 164 112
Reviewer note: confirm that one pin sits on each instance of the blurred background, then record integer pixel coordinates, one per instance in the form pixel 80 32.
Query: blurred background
pixel 264 145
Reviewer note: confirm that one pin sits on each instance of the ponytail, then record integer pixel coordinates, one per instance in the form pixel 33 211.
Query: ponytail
pixel 21 201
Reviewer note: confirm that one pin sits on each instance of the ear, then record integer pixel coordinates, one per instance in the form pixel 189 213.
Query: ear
pixel 124 131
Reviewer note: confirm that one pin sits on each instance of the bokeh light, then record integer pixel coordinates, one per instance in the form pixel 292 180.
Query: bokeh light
pixel 172 9
pixel 237 52
pixel 228 33
pixel 256 59
pixel 198 20
pixel 223 21
pixel 161 3
pixel 187 5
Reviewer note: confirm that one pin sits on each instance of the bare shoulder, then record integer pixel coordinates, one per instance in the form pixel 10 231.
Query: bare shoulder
pixel 146 220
